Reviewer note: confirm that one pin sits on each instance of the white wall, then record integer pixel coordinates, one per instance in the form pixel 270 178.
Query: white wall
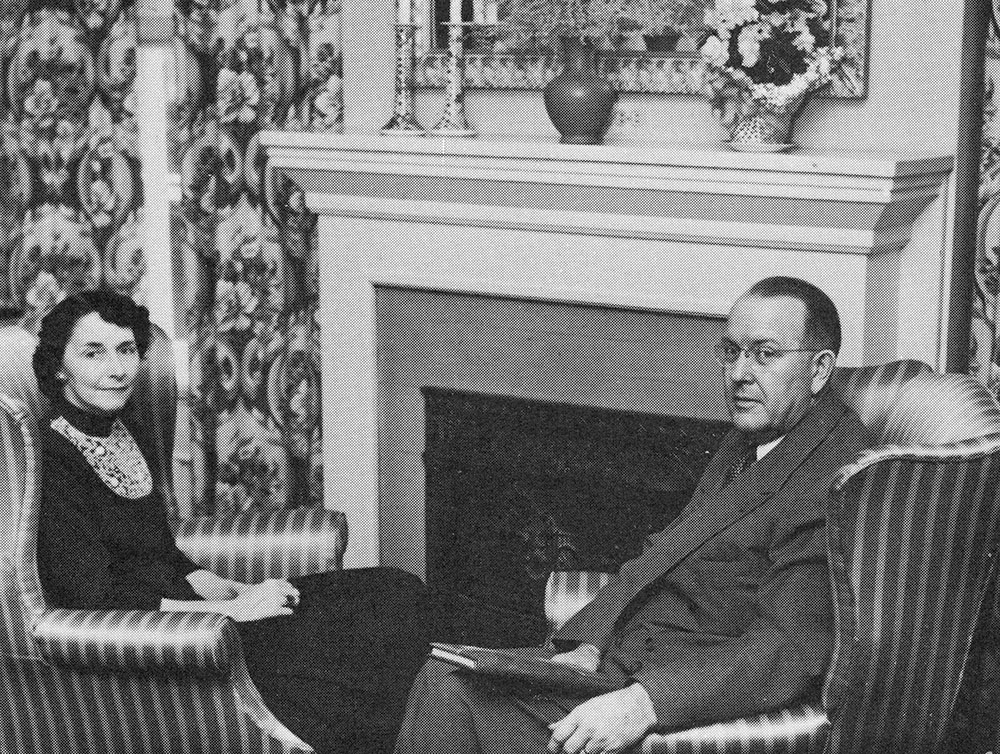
pixel 912 102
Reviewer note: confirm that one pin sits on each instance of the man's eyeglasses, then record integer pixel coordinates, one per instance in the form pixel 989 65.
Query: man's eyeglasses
pixel 728 353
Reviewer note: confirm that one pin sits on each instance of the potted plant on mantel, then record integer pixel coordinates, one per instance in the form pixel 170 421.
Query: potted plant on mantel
pixel 762 61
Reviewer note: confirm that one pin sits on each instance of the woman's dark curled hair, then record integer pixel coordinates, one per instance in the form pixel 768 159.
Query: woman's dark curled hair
pixel 58 324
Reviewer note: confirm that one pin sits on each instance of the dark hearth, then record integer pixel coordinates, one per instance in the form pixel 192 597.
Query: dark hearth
pixel 518 488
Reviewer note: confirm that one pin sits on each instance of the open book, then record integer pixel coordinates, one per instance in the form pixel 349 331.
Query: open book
pixel 529 665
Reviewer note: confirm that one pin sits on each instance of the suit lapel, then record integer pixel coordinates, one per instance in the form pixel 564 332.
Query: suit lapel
pixel 721 507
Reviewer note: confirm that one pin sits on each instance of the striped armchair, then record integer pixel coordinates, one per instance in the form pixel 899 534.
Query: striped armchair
pixel 137 681
pixel 911 537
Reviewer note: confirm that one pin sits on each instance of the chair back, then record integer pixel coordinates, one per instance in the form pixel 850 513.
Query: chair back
pixel 873 392
pixel 911 532
pixel 20 590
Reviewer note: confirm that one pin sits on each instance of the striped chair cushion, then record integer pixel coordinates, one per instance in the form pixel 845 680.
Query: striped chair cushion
pixel 910 533
pixel 566 592
pixel 137 640
pixel 254 546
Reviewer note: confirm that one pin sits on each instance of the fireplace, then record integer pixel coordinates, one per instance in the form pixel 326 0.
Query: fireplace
pixel 518 488
pixel 637 393
pixel 619 262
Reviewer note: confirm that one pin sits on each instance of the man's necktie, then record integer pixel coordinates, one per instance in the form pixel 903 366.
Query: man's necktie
pixel 741 463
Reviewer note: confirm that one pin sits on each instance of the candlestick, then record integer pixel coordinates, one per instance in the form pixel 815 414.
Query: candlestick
pixel 492 13
pixel 453 122
pixel 404 122
pixel 455 11
pixel 404 11
pixel 478 15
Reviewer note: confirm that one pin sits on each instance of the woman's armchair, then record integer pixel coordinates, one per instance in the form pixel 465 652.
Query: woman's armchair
pixel 124 681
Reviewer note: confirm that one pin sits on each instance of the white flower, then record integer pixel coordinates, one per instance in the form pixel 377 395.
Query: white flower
pixel 715 51
pixel 804 40
pixel 749 43
pixel 732 13
pixel 823 66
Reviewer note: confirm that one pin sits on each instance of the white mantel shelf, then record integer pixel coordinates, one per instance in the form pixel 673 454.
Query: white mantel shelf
pixel 681 230
pixel 859 202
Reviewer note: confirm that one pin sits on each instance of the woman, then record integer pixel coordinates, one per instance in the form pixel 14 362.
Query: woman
pixel 333 654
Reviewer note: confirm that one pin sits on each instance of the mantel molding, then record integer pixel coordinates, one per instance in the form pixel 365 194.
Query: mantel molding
pixel 843 203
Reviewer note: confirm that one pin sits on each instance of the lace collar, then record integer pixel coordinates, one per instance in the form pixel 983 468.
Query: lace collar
pixel 115 458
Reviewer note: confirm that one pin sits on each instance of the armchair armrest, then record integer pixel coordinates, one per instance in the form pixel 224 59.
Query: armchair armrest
pixel 202 643
pixel 256 545
pixel 802 729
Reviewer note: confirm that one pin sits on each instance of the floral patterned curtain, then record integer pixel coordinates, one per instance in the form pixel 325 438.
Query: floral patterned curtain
pixel 976 726
pixel 985 361
pixel 70 192
pixel 246 249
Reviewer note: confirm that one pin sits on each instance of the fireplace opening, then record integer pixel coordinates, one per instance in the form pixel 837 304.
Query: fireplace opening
pixel 517 488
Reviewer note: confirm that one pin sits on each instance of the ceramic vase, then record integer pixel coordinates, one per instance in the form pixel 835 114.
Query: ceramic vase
pixel 579 100
pixel 755 127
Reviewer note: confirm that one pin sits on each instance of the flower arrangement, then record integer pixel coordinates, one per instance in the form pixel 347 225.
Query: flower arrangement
pixel 771 52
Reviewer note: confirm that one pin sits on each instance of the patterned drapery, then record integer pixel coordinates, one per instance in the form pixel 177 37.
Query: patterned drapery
pixel 985 351
pixel 976 728
pixel 70 191
pixel 246 249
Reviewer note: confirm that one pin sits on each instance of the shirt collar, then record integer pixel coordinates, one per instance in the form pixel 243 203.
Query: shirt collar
pixel 90 424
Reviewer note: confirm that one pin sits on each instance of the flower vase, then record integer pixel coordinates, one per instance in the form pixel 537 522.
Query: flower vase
pixel 579 100
pixel 756 127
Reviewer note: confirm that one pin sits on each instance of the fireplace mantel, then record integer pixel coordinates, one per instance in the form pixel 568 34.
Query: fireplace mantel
pixel 682 230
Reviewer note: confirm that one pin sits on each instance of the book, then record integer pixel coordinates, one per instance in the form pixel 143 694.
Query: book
pixel 531 666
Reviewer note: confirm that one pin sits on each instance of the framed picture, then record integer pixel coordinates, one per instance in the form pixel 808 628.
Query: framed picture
pixel 645 45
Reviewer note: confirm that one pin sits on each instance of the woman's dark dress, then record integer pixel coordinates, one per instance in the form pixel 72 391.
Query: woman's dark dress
pixel 337 672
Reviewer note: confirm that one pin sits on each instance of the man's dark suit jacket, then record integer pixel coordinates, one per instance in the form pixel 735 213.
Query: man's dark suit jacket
pixel 728 610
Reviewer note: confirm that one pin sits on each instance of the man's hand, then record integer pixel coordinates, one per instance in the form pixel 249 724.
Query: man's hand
pixel 607 723
pixel 585 656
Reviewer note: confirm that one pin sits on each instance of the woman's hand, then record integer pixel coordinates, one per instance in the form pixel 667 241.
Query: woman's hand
pixel 585 656
pixel 268 599
pixel 211 586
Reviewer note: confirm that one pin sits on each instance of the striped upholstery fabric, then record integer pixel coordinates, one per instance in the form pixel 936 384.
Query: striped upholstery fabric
pixel 568 591
pixel 911 525
pixel 253 546
pixel 912 538
pixel 137 640
pixel 874 392
pixel 797 730
pixel 136 682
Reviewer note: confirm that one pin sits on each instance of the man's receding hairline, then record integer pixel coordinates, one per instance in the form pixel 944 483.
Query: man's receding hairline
pixel 807 341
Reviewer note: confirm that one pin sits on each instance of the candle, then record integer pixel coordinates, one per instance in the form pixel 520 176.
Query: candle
pixel 492 13
pixel 405 10
pixel 456 11
pixel 477 11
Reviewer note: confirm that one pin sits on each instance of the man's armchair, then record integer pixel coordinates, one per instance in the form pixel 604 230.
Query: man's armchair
pixel 130 681
pixel 911 536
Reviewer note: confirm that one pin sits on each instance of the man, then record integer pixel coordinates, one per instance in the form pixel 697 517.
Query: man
pixel 728 610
